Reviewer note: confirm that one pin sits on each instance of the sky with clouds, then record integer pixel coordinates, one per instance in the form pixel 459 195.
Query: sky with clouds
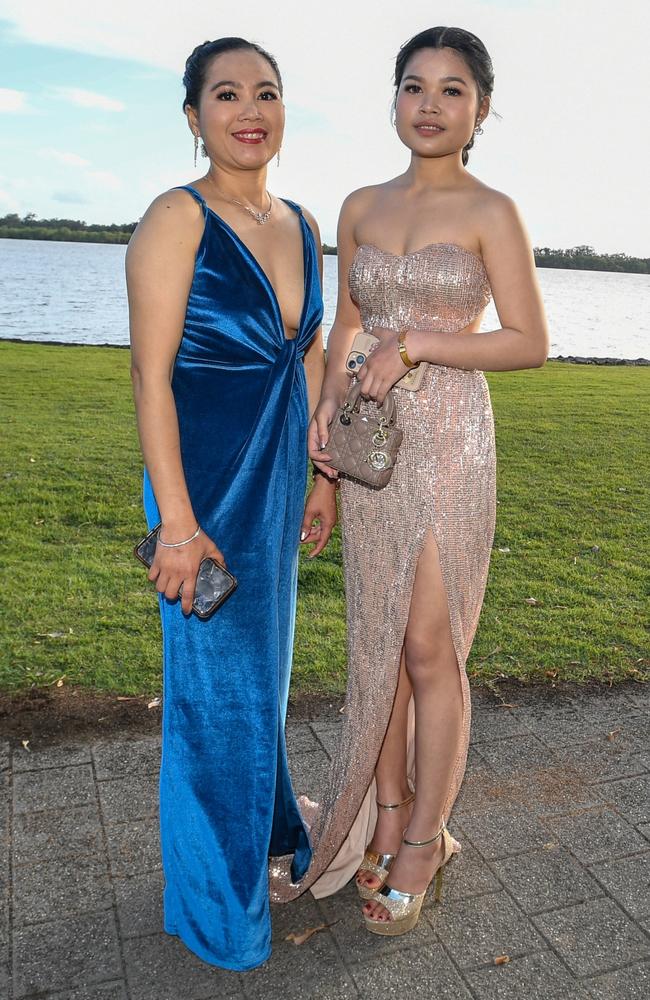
pixel 91 124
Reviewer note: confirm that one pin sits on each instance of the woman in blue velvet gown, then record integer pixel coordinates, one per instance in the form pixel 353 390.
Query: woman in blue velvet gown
pixel 225 310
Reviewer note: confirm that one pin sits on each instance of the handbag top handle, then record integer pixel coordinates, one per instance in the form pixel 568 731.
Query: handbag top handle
pixel 387 409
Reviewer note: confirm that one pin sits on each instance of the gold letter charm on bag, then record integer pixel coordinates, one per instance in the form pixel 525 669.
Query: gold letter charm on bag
pixel 364 445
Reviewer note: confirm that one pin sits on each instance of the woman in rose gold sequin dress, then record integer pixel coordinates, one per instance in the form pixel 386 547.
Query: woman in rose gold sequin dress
pixel 421 253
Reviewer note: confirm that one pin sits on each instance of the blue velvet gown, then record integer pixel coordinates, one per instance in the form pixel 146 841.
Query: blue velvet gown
pixel 226 801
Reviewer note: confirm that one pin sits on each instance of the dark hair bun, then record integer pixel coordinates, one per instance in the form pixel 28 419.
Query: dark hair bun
pixel 198 62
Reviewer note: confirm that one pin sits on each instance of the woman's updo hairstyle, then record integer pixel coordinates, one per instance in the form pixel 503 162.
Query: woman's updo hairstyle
pixel 197 65
pixel 468 46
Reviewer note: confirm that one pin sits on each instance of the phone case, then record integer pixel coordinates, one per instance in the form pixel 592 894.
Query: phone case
pixel 214 584
pixel 363 345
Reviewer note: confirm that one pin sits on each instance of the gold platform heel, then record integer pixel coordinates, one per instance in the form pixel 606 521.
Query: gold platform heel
pixel 404 907
pixel 379 864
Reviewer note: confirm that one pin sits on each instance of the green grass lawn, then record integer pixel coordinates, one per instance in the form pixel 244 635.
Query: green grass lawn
pixel 572 532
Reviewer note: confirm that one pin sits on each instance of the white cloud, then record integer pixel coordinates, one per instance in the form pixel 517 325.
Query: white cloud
pixel 67 159
pixel 70 197
pixel 105 179
pixel 8 203
pixel 87 99
pixel 12 101
pixel 88 182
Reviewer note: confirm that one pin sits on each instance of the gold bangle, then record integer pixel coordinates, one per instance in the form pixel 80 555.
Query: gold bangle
pixel 403 352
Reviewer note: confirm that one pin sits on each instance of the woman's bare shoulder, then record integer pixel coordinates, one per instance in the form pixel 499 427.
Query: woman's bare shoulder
pixel 498 221
pixel 173 206
pixel 491 203
pixel 359 201
pixel 173 219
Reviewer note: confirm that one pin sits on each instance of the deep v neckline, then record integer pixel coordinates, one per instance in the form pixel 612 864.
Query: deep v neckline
pixel 273 295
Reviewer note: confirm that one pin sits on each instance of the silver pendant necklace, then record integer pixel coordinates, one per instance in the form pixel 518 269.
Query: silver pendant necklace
pixel 261 218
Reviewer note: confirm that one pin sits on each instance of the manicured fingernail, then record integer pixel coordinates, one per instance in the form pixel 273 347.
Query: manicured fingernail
pixel 303 535
pixel 322 445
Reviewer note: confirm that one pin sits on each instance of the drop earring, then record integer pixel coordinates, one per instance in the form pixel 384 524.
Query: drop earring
pixel 196 147
pixel 277 159
pixel 478 130
pixel 204 151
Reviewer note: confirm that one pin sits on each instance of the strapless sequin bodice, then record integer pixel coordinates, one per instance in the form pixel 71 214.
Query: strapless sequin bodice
pixel 440 287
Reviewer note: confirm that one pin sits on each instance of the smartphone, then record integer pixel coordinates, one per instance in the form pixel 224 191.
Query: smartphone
pixel 362 347
pixel 214 584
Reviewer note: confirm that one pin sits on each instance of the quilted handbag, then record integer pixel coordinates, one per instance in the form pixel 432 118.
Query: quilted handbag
pixel 364 445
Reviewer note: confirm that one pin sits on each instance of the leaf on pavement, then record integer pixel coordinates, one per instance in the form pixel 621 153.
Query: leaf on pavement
pixel 306 934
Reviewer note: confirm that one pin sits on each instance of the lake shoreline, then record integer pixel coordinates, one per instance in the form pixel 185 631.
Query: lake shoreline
pixel 568 359
pixel 70 293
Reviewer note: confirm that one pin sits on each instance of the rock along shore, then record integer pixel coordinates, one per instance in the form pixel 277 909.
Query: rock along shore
pixel 572 360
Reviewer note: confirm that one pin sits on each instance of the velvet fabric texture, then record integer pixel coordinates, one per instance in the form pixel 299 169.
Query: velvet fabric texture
pixel 226 801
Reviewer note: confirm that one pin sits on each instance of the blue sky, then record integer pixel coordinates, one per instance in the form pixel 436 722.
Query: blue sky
pixel 91 135
pixel 91 126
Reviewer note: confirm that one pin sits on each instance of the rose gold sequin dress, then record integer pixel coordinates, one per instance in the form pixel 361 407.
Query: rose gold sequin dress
pixel 444 481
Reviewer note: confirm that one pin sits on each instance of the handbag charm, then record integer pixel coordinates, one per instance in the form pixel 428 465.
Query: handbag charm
pixel 364 445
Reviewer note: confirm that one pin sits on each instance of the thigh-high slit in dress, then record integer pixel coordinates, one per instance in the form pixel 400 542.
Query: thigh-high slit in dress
pixel 444 484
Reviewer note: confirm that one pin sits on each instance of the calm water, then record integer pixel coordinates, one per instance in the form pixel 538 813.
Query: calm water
pixel 75 293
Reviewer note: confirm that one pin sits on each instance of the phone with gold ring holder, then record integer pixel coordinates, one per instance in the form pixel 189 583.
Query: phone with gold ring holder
pixel 362 347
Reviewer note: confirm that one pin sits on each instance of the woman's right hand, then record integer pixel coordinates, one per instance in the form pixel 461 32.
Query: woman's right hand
pixel 173 569
pixel 318 435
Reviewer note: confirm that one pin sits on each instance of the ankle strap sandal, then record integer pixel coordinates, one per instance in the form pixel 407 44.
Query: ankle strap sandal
pixel 404 907
pixel 379 864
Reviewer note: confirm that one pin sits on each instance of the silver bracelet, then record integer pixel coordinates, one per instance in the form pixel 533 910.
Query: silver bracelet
pixel 176 545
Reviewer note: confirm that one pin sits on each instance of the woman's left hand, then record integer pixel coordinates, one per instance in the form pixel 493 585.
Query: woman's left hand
pixel 383 368
pixel 320 515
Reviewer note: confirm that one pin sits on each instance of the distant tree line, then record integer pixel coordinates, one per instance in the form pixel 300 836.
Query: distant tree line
pixel 586 259
pixel 28 227
pixel 577 259
pixel 13 227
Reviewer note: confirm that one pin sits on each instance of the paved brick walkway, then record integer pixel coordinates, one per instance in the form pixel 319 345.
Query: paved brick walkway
pixel 554 818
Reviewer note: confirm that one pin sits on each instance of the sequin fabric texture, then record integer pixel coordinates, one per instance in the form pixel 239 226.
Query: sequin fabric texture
pixel 444 482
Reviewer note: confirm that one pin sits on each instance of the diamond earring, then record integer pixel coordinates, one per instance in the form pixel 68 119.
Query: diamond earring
pixel 196 147
pixel 278 157
pixel 478 130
